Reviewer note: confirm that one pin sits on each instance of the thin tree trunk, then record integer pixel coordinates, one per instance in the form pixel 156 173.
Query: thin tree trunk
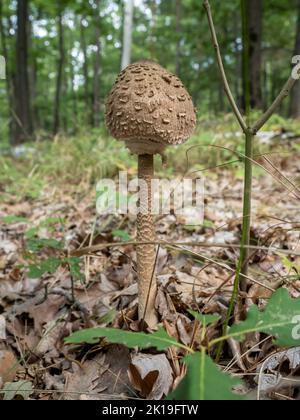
pixel 178 36
pixel 32 74
pixel 59 79
pixel 153 7
pixel 8 80
pixel 255 15
pixel 127 33
pixel 97 68
pixel 74 95
pixel 238 59
pixel 295 95
pixel 87 93
pixel 221 93
pixel 22 95
pixel 64 100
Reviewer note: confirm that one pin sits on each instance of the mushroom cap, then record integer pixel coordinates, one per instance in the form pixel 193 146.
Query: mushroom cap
pixel 149 109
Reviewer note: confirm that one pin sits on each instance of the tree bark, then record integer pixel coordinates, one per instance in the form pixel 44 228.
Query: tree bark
pixel 295 94
pixel 97 68
pixel 8 80
pixel 59 78
pixel 255 14
pixel 127 33
pixel 87 93
pixel 152 37
pixel 23 130
pixel 178 36
pixel 74 95
pixel 32 75
pixel 238 59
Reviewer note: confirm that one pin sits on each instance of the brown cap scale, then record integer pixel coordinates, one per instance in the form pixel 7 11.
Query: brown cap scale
pixel 149 109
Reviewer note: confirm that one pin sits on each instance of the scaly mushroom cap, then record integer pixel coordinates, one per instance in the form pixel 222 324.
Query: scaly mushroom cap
pixel 149 108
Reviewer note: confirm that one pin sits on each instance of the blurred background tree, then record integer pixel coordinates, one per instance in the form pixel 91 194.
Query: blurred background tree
pixel 63 56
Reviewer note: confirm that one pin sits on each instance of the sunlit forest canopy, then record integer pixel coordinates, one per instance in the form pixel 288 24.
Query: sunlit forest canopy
pixel 63 56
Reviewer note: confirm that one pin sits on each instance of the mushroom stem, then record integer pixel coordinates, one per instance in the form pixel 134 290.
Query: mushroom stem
pixel 146 254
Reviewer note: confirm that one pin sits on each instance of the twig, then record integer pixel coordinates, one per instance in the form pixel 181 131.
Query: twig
pixel 280 98
pixel 70 298
pixel 222 70
pixel 96 248
pixel 226 267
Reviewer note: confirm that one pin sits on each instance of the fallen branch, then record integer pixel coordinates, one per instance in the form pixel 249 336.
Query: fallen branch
pixel 96 248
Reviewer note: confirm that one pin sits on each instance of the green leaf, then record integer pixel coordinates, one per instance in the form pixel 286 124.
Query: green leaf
pixel 74 264
pixel 48 266
pixel 289 265
pixel 13 219
pixel 204 381
pixel 30 233
pixel 122 234
pixel 205 319
pixel 160 339
pixel 107 318
pixel 281 318
pixel 21 389
pixel 52 221
pixel 37 244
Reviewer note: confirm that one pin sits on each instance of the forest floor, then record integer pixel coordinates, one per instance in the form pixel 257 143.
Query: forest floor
pixel 46 294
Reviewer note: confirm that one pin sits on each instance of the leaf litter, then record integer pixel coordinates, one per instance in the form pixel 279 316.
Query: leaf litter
pixel 37 314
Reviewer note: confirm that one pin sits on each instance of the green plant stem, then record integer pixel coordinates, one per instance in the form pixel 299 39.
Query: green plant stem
pixel 240 281
pixel 246 226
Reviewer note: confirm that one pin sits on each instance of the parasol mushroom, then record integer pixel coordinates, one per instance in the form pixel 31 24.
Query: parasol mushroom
pixel 149 109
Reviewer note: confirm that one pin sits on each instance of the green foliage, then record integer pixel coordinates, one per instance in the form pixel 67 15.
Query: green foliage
pixel 122 234
pixel 160 339
pixel 205 319
pixel 74 264
pixel 17 390
pixel 278 320
pixel 48 266
pixel 13 219
pixel 290 265
pixel 37 244
pixel 204 381
pixel 155 37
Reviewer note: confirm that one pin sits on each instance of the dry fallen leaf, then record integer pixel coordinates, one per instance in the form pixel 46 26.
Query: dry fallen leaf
pixel 85 379
pixel 279 372
pixel 8 366
pixel 105 372
pixel 151 375
pixel 2 328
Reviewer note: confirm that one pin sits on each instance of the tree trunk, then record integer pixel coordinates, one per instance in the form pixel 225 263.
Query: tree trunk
pixel 74 96
pixel 152 37
pixel 8 80
pixel 97 68
pixel 178 36
pixel 238 59
pixel 127 33
pixel 59 79
pixel 32 75
pixel 255 14
pixel 87 94
pixel 295 95
pixel 22 95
